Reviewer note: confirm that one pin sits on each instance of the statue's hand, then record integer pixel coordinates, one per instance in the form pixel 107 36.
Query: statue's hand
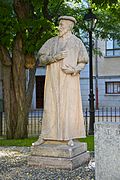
pixel 61 55
pixel 78 68
pixel 67 69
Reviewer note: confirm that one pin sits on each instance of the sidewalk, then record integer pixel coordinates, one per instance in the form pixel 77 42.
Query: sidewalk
pixel 13 166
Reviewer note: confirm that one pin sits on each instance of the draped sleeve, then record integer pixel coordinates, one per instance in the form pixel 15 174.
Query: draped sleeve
pixel 44 56
pixel 83 55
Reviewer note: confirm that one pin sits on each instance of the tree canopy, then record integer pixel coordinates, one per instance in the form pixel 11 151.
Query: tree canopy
pixel 104 3
pixel 40 22
pixel 35 27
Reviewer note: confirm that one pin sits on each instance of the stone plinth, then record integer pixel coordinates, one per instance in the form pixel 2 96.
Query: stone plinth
pixel 59 155
pixel 107 151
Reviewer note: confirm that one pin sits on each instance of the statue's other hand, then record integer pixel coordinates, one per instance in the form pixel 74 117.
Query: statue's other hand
pixel 61 55
pixel 78 68
pixel 67 69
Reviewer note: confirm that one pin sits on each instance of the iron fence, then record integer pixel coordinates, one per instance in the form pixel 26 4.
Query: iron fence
pixel 34 123
pixel 105 114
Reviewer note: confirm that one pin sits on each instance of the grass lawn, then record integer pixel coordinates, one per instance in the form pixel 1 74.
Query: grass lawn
pixel 90 142
pixel 28 142
pixel 17 142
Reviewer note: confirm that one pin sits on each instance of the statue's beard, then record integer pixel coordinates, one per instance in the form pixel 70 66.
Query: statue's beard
pixel 62 33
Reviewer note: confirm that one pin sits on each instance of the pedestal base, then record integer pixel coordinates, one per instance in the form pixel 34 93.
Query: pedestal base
pixel 59 155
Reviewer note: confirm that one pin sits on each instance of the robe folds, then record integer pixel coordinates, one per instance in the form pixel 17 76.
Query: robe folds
pixel 63 115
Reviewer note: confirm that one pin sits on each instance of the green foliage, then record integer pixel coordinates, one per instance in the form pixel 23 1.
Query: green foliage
pixel 7 22
pixel 105 3
pixel 108 22
pixel 36 29
pixel 39 27
pixel 36 33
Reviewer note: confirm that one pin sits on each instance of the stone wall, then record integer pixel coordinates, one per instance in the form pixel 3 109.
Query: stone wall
pixel 107 151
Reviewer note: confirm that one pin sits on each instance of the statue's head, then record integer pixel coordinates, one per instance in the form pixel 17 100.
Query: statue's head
pixel 66 24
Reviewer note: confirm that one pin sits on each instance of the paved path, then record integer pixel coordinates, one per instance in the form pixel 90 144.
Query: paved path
pixel 13 166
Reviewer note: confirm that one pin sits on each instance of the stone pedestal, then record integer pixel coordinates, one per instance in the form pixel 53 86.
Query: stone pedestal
pixel 107 151
pixel 59 155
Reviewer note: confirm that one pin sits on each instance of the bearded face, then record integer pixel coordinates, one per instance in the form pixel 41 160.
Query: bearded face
pixel 64 27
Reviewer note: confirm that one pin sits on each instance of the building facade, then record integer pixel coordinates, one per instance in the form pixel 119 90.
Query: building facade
pixel 107 74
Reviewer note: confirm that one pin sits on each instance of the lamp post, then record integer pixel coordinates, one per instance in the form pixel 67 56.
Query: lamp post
pixel 90 21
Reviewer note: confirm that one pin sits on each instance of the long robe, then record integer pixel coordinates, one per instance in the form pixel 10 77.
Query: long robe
pixel 63 115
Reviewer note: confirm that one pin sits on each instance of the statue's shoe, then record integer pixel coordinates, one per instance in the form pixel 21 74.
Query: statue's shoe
pixel 71 143
pixel 38 142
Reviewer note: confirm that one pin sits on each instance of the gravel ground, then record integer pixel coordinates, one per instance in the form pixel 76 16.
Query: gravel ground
pixel 13 166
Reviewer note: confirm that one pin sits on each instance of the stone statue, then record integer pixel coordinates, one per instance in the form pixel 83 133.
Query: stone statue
pixel 64 56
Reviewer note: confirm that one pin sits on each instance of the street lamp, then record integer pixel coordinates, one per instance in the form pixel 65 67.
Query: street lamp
pixel 90 22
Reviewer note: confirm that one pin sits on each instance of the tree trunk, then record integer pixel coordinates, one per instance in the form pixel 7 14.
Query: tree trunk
pixel 7 102
pixel 17 99
pixel 18 82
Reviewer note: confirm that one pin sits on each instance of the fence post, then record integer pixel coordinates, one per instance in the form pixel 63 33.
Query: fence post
pixel 86 121
pixel 0 123
pixel 1 110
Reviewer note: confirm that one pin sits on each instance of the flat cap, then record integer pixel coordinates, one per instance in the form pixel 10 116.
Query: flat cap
pixel 70 18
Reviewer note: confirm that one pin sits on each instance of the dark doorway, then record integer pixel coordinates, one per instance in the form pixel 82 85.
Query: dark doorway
pixel 40 81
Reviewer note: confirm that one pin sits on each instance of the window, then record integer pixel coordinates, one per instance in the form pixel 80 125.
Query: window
pixel 112 48
pixel 112 87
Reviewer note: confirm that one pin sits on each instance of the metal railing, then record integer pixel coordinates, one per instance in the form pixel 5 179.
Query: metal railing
pixel 105 114
pixel 34 123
